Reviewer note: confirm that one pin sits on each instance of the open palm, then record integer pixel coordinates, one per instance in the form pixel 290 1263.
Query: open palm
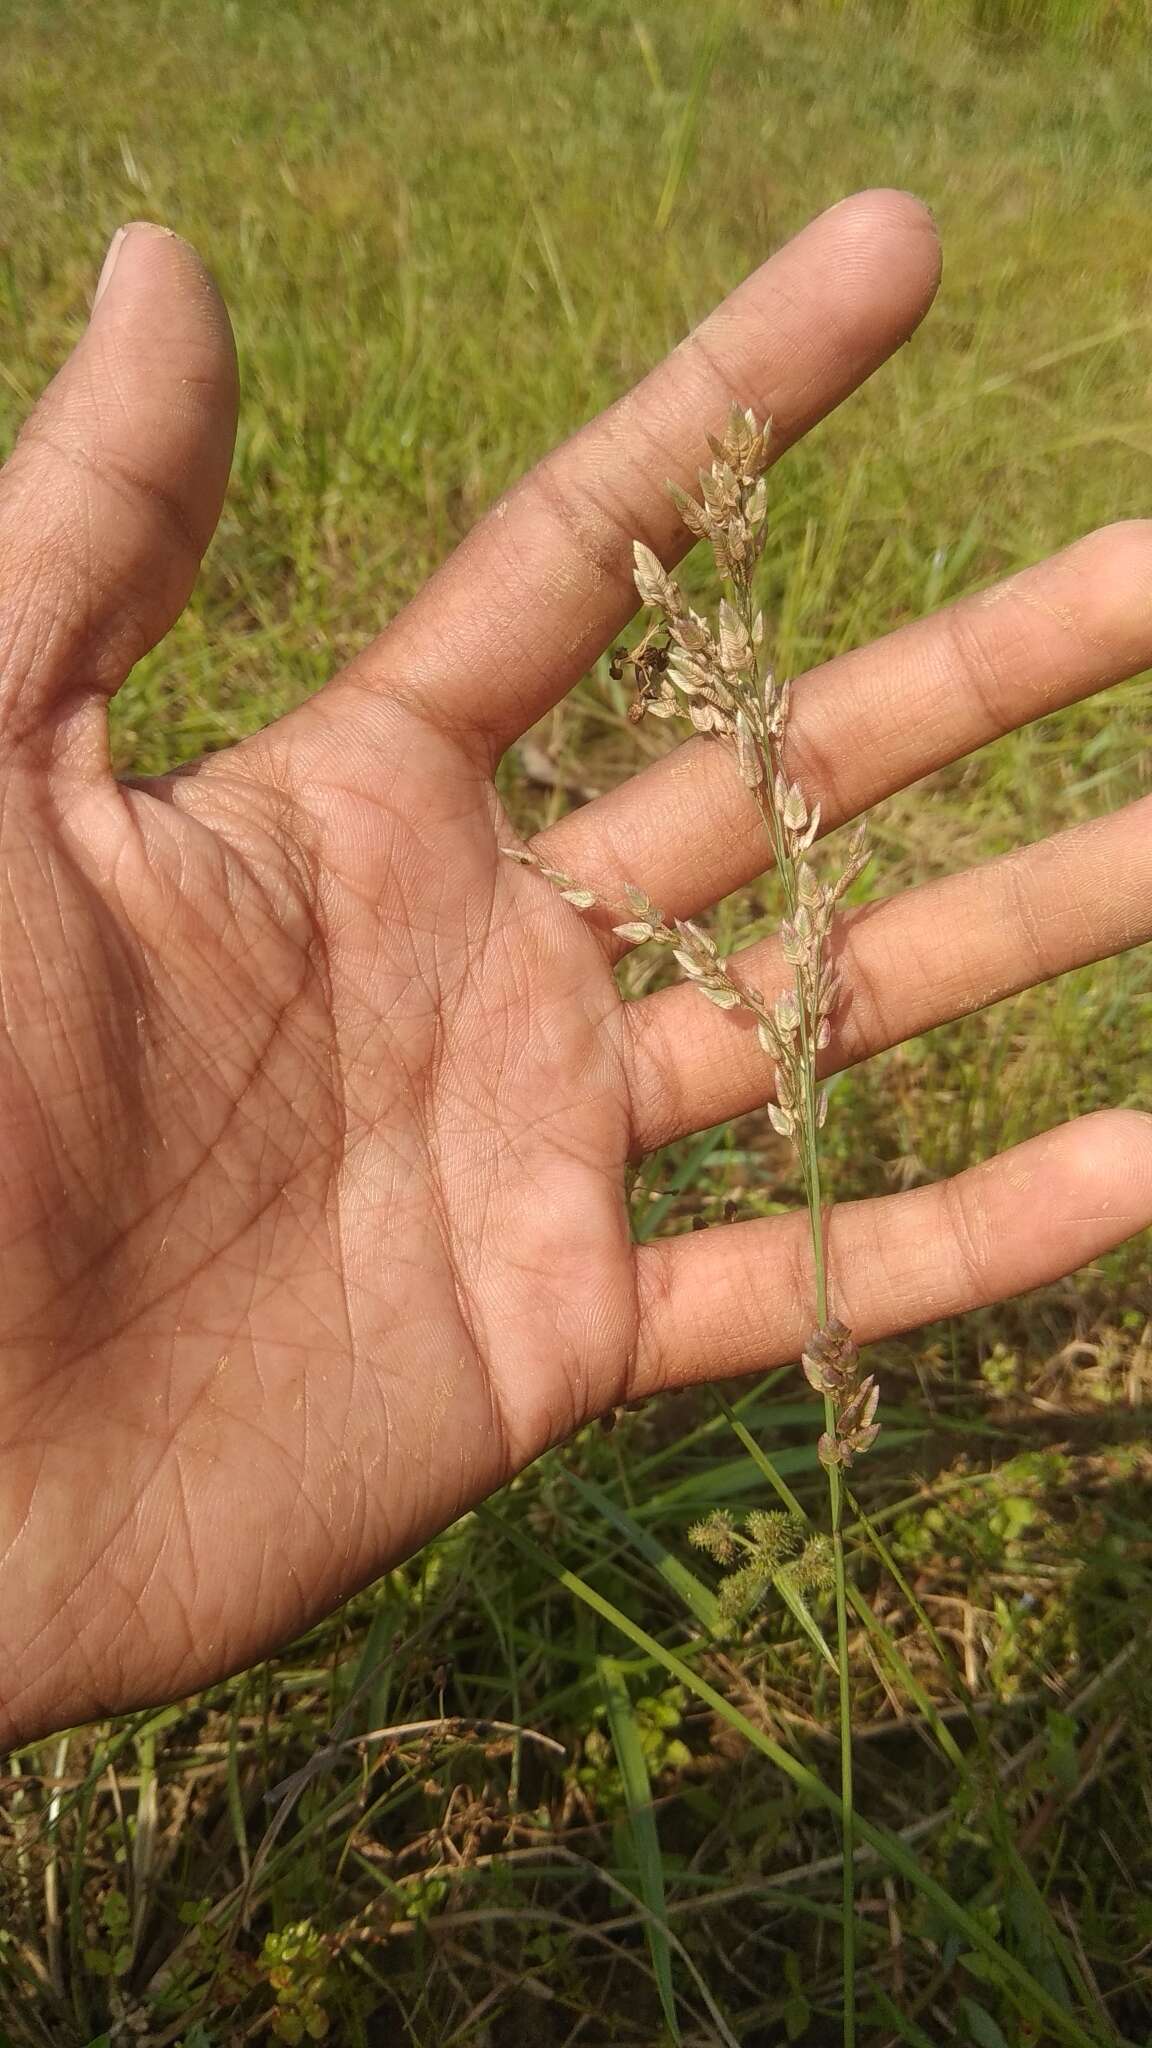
pixel 315 1111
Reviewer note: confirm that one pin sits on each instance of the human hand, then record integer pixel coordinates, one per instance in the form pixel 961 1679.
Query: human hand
pixel 315 1112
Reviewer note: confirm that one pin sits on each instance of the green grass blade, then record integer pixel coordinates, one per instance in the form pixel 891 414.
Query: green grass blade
pixel 900 1668
pixel 905 2027
pixel 804 1618
pixel 979 2025
pixel 855 1598
pixel 1015 1981
pixel 758 1456
pixel 1046 1945
pixel 687 128
pixel 235 1790
pixel 637 1785
pixel 697 1597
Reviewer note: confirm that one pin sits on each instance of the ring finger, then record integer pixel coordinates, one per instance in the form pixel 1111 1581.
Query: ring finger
pixel 923 958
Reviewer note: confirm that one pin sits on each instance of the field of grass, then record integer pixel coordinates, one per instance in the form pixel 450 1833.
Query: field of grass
pixel 448 231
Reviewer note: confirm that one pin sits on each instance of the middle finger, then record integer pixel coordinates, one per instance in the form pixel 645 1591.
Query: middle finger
pixel 923 958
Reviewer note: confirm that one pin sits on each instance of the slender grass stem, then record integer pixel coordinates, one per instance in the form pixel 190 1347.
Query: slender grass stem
pixel 719 677
pixel 810 1156
pixel 810 1164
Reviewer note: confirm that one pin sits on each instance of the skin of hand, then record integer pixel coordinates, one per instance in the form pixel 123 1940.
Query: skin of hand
pixel 315 1111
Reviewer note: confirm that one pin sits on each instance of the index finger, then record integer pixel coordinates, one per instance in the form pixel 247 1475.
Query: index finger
pixel 531 597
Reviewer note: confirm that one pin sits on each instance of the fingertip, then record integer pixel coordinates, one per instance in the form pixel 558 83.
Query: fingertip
pixel 893 205
pixel 1114 1161
pixel 157 313
pixel 134 231
pixel 119 473
pixel 1100 1127
pixel 886 221
pixel 841 297
pixel 144 259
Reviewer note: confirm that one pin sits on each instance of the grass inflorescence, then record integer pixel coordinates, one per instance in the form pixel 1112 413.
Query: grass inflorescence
pixel 716 675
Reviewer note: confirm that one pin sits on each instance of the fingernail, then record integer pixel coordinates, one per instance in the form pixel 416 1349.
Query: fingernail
pixel 110 262
pixel 116 250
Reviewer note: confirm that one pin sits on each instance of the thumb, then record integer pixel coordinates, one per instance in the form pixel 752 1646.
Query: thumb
pixel 115 485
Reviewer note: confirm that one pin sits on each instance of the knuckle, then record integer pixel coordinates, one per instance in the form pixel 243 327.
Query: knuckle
pixel 878 965
pixel 596 525
pixel 1027 923
pixel 656 1303
pixel 969 1236
pixel 973 658
pixel 657 1090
